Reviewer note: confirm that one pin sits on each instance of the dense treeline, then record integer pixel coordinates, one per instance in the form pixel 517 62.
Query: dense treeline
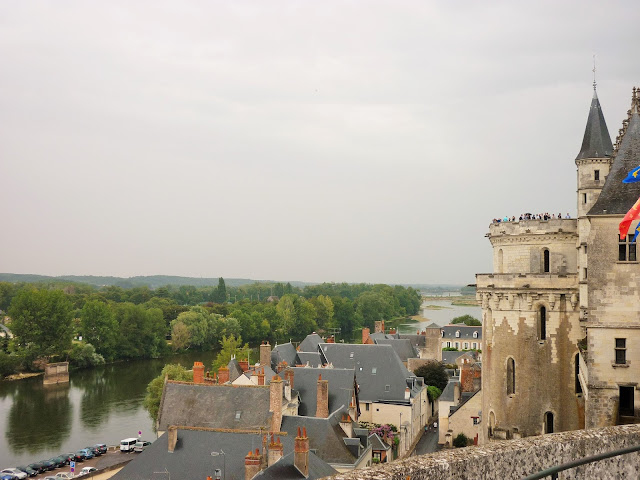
pixel 112 323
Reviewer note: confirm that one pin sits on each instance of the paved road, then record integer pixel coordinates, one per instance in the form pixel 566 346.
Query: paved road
pixel 428 443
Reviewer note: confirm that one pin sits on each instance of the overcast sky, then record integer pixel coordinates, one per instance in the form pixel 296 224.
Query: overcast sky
pixel 294 140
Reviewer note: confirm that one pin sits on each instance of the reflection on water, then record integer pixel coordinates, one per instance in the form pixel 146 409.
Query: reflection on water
pixel 102 405
pixel 39 414
pixel 442 316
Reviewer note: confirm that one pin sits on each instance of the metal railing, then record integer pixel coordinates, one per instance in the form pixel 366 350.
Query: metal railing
pixel 553 471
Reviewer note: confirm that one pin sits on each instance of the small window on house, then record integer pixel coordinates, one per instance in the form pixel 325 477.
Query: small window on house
pixel 585 249
pixel 475 345
pixel 511 376
pixel 626 249
pixel 457 345
pixel 448 344
pixel 466 346
pixel 442 333
pixel 366 407
pixel 542 329
pixel 545 261
pixel 548 422
pixel 621 351
pixel 584 272
pixel 387 388
pixel 476 420
pixel 457 333
pixel 596 175
pixel 374 370
pixel 584 198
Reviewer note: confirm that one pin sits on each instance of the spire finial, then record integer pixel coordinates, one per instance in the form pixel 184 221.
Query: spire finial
pixel 594 71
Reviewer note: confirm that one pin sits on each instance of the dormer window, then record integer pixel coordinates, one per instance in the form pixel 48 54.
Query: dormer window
pixel 475 334
pixel 442 334
pixel 374 370
pixel 457 333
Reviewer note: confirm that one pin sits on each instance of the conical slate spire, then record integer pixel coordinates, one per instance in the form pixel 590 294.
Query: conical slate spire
pixel 596 142
pixel 616 197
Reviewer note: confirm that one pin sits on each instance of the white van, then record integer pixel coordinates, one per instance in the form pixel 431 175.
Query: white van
pixel 127 445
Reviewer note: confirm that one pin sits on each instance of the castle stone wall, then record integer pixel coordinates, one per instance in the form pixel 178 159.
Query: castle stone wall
pixel 516 459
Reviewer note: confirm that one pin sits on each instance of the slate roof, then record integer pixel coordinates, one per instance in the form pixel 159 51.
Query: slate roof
pixel 416 340
pixel 596 142
pixel 214 406
pixel 284 353
pixel 449 391
pixel 285 469
pixel 381 336
pixel 326 436
pixel 466 332
pixel 305 381
pixel 310 343
pixel 235 370
pixel 450 357
pixel 192 460
pixel 268 373
pixel 376 443
pixel 616 198
pixel 379 371
pixel 402 347
pixel 433 325
pixel 313 358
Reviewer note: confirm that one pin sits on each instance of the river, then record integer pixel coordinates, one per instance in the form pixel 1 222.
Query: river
pixel 104 405
pixel 101 405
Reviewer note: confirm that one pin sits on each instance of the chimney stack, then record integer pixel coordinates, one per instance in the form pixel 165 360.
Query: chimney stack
pixel 260 376
pixel 407 393
pixel 275 403
pixel 172 438
pixel 379 326
pixel 288 375
pixel 347 425
pixel 251 464
pixel 365 335
pixel 322 401
pixel 331 339
pixel 198 372
pixel 275 450
pixel 301 452
pixel 265 354
pixel 244 364
pixel 223 375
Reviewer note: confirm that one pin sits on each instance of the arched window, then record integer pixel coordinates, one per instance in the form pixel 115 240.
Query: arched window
pixel 545 260
pixel 457 333
pixel 475 334
pixel 511 376
pixel 542 322
pixel 500 261
pixel 548 422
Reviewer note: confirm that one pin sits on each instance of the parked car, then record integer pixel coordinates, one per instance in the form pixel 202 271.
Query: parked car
pixel 38 467
pixel 28 470
pixel 14 471
pixel 49 477
pixel 94 450
pixel 48 464
pixel 102 447
pixel 141 445
pixel 87 471
pixel 59 462
pixel 86 454
pixel 64 475
pixel 73 457
pixel 127 445
pixel 7 476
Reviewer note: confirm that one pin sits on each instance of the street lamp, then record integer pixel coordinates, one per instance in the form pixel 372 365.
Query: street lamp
pixel 224 464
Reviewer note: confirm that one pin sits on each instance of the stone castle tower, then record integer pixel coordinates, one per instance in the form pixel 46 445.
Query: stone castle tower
pixel 556 281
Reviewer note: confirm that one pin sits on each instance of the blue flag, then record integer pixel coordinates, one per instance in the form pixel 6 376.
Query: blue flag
pixel 633 176
pixel 637 232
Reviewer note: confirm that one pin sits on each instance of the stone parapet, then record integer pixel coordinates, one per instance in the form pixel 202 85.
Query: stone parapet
pixel 534 227
pixel 528 282
pixel 515 459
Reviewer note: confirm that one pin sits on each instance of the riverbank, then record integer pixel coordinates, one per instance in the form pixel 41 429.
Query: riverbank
pixel 460 300
pixel 21 376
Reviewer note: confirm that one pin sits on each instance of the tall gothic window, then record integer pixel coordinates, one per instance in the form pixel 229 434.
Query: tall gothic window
pixel 545 261
pixel 511 376
pixel 542 323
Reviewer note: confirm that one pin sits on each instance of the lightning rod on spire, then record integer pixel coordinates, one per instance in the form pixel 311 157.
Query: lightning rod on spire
pixel 594 71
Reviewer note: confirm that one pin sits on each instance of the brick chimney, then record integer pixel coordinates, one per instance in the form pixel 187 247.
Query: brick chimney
pixel 172 438
pixel 260 376
pixel 379 326
pixel 275 450
pixel 251 464
pixel 331 339
pixel 198 372
pixel 392 331
pixel 347 425
pixel 322 401
pixel 301 452
pixel 265 354
pixel 365 335
pixel 275 403
pixel 223 375
pixel 244 364
pixel 288 375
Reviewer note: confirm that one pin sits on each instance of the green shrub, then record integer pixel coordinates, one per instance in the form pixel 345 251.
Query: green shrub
pixel 461 440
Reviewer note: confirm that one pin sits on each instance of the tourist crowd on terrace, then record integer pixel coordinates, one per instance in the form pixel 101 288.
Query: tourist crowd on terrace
pixel 531 216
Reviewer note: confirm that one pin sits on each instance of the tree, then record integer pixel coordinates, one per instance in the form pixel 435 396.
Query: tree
pixel 433 393
pixel 434 374
pixel 286 313
pixel 324 311
pixel 84 355
pixel 461 440
pixel 220 295
pixel 100 328
pixel 155 387
pixel 179 336
pixel 231 347
pixel 467 320
pixel 41 321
